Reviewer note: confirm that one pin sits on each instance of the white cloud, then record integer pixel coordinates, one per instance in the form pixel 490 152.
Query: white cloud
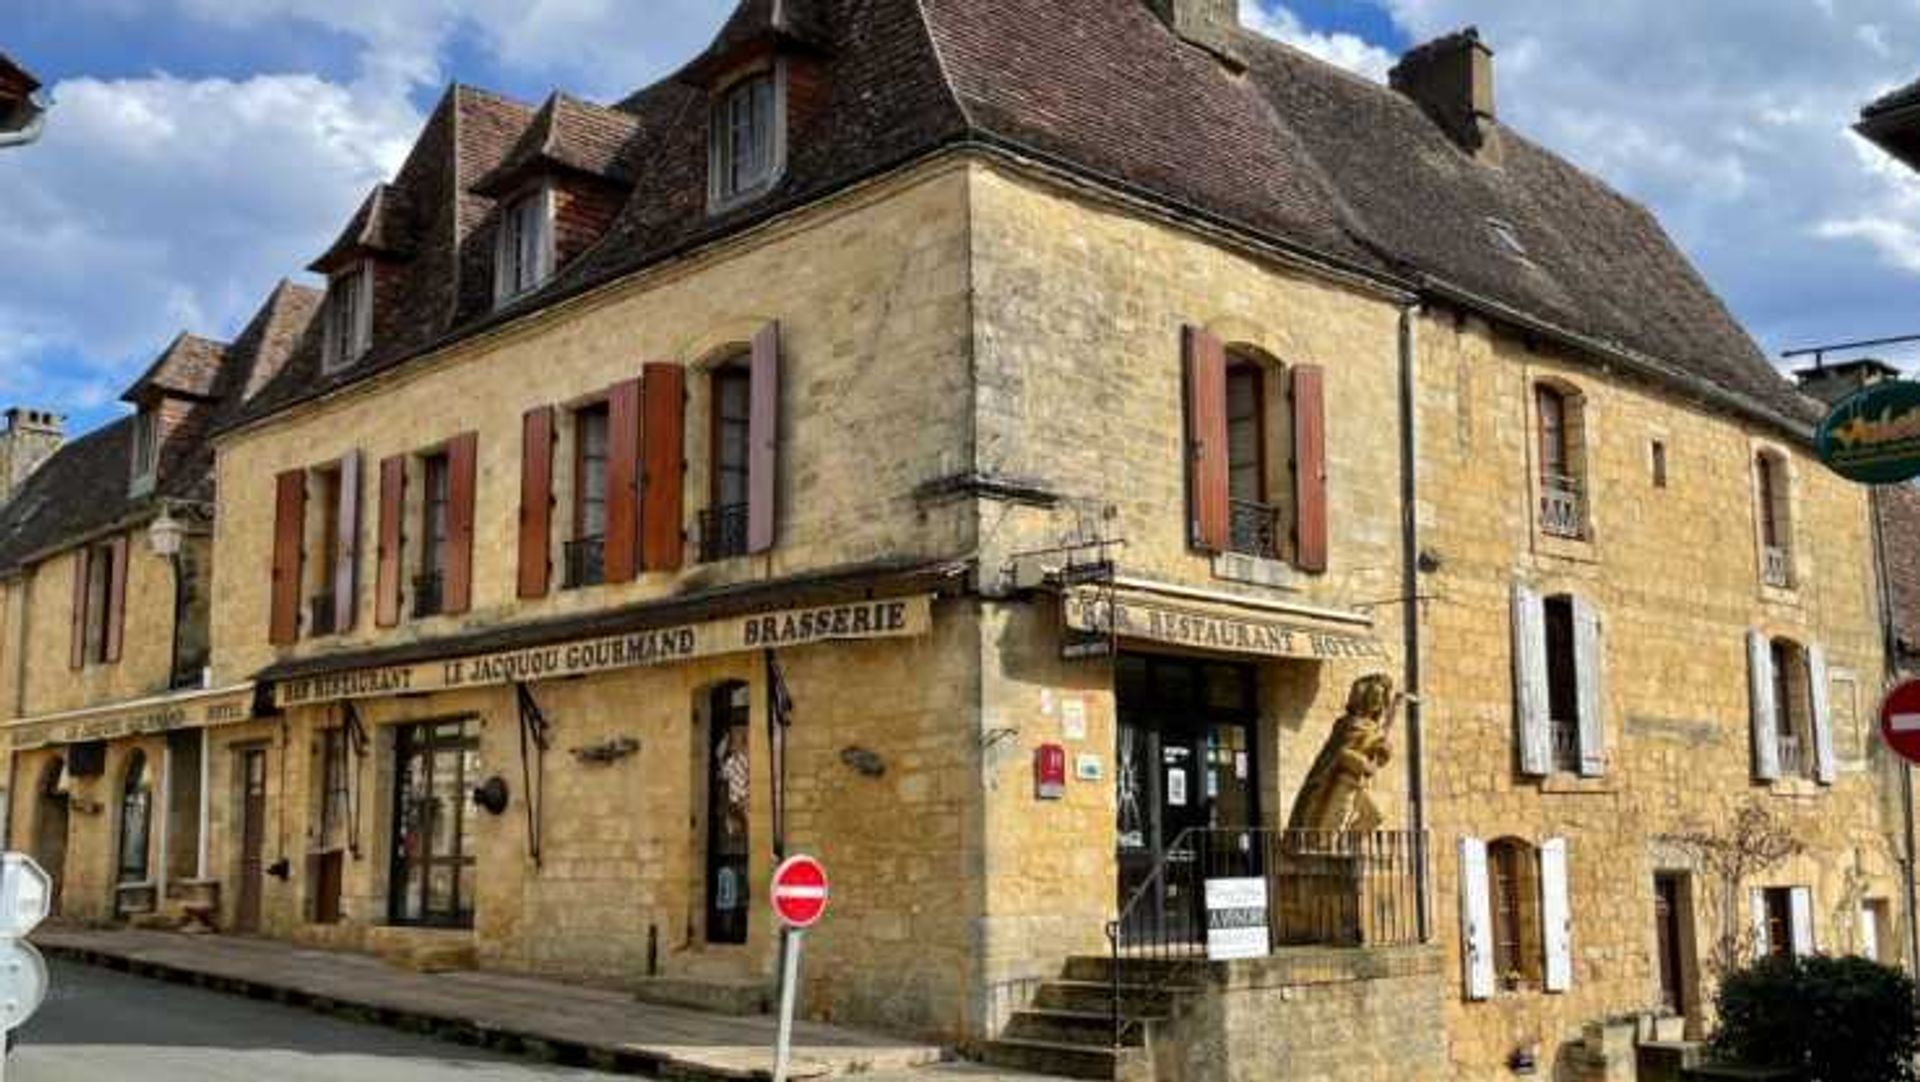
pixel 1348 51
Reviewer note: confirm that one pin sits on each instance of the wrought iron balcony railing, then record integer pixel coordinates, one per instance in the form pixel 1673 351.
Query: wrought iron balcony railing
pixel 586 562
pixel 1563 506
pixel 1566 744
pixel 1776 566
pixel 320 615
pixel 1255 529
pixel 1793 757
pixel 428 596
pixel 723 532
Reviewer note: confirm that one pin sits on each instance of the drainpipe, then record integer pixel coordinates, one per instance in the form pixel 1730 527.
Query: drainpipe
pixel 1410 614
pixel 1890 669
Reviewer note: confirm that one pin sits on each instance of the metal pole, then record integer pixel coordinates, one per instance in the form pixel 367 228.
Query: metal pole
pixel 789 980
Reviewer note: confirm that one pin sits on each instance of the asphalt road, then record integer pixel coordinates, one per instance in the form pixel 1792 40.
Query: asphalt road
pixel 102 1026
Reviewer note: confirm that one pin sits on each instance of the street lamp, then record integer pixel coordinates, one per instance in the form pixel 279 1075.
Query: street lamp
pixel 166 536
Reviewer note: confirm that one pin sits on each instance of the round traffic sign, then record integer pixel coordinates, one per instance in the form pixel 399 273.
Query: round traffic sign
pixel 800 892
pixel 23 982
pixel 1900 720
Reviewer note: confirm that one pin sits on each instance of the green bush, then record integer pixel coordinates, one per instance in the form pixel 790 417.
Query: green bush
pixel 1835 1019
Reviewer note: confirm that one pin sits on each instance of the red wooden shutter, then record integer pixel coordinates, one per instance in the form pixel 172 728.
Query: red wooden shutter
pixel 763 441
pixel 462 475
pixel 661 513
pixel 116 599
pixel 82 572
pixel 289 528
pixel 1210 517
pixel 1309 468
pixel 346 567
pixel 536 501
pixel 393 509
pixel 622 554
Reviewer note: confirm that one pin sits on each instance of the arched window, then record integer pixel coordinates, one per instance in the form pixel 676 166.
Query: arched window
pixel 1563 495
pixel 136 807
pixel 1773 507
pixel 1513 874
pixel 723 527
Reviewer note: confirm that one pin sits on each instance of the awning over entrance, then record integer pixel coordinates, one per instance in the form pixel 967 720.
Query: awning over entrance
pixel 1141 614
pixel 160 714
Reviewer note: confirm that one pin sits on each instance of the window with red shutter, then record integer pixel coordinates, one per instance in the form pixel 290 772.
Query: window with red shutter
pixel 1310 468
pixel 387 574
pixel 289 527
pixel 462 480
pixel 1208 474
pixel 622 552
pixel 536 501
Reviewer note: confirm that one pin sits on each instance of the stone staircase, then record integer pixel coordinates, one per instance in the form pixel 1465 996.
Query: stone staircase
pixel 1068 1030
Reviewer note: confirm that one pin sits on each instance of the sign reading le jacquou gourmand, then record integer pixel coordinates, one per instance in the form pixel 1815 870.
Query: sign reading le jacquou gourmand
pixel 1873 436
pixel 893 618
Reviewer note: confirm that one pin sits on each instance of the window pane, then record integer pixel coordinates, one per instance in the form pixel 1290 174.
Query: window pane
pixel 732 393
pixel 1245 470
pixel 590 481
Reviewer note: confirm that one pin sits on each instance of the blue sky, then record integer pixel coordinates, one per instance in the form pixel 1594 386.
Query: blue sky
pixel 202 149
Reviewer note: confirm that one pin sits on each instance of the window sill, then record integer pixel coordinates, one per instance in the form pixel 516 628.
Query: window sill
pixel 1254 570
pixel 1579 549
pixel 1567 784
pixel 1796 788
pixel 1780 595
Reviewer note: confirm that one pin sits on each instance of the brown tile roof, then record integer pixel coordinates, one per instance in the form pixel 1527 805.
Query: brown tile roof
pixel 1898 507
pixel 190 367
pixel 384 225
pixel 16 82
pixel 571 134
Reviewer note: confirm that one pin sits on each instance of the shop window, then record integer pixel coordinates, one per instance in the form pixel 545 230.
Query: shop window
pixel 348 321
pixel 723 526
pixel 136 817
pixel 429 583
pixel 1773 506
pixel 1563 494
pixel 431 882
pixel 748 145
pixel 523 252
pixel 586 553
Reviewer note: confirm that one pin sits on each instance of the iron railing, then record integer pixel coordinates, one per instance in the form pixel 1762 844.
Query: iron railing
pixel 723 532
pixel 320 615
pixel 1566 743
pixel 586 561
pixel 428 594
pixel 1793 756
pixel 1563 510
pixel 1324 888
pixel 1255 529
pixel 1776 566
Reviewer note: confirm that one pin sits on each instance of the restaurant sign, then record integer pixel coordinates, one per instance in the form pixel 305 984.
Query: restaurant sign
pixel 196 710
pixel 1128 617
pixel 1873 436
pixel 892 618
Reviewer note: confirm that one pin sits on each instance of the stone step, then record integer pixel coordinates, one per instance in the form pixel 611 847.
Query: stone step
pixel 746 996
pixel 1094 1028
pixel 1060 1060
pixel 1096 996
pixel 1181 971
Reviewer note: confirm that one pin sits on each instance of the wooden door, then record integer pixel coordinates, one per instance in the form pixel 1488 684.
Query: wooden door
pixel 253 836
pixel 1667 912
pixel 50 829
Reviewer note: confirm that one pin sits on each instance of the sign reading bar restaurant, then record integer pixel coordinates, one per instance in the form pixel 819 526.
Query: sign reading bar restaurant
pixel 891 618
pixel 1153 621
pixel 1873 436
pixel 197 710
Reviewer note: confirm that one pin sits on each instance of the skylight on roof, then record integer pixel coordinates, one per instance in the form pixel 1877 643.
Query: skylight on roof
pixel 1508 238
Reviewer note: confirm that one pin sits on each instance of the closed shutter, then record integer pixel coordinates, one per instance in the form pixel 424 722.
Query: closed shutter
pixel 462 477
pixel 1476 919
pixel 1531 699
pixel 1556 915
pixel 661 492
pixel 346 568
pixel 1590 682
pixel 622 559
pixel 393 505
pixel 289 523
pixel 1823 764
pixel 1757 916
pixel 763 442
pixel 1766 750
pixel 1309 468
pixel 1210 515
pixel 82 573
pixel 116 599
pixel 536 502
pixel 1803 944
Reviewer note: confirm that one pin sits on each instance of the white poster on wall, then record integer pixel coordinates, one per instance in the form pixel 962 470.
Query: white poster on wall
pixel 1237 919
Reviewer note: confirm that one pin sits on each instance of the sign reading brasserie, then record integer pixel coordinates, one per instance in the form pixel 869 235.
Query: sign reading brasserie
pixel 1153 621
pixel 893 618
pixel 1873 437
pixel 195 711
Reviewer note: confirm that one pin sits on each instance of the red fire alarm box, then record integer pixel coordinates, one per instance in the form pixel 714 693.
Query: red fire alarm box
pixel 1049 772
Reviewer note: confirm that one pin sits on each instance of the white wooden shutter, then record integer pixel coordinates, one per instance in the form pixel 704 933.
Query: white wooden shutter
pixel 1532 730
pixel 1590 680
pixel 1556 915
pixel 1476 919
pixel 1823 764
pixel 363 313
pixel 1766 750
pixel 548 235
pixel 1802 922
pixel 1757 909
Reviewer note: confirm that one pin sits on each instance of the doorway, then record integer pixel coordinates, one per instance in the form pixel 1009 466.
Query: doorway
pixel 436 764
pixel 1671 904
pixel 729 802
pixel 253 837
pixel 50 825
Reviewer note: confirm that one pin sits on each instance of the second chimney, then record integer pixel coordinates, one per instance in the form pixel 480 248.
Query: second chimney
pixel 1451 79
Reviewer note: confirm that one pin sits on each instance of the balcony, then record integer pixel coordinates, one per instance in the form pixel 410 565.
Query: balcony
pixel 427 594
pixel 586 562
pixel 1563 506
pixel 1254 529
pixel 320 615
pixel 1776 566
pixel 723 532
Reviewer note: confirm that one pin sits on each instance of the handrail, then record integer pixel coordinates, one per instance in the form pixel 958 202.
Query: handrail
pixel 1156 879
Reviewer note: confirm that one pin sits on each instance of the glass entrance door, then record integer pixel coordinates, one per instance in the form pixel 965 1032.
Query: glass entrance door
pixel 436 764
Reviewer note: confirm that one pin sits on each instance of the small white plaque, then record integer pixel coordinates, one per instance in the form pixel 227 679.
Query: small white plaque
pixel 1089 767
pixel 1073 718
pixel 1237 918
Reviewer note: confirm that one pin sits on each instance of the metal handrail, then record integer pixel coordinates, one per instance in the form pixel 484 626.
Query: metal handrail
pixel 1155 880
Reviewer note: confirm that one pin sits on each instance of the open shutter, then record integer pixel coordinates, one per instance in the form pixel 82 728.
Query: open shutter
pixel 363 312
pixel 1803 944
pixel 1766 749
pixel 1476 919
pixel 1556 915
pixel 661 493
pixel 289 524
pixel 1757 916
pixel 1590 682
pixel 116 599
pixel 346 568
pixel 393 503
pixel 1823 764
pixel 622 559
pixel 1530 697
pixel 536 502
pixel 1309 468
pixel 462 462
pixel 763 442
pixel 82 574
pixel 1210 517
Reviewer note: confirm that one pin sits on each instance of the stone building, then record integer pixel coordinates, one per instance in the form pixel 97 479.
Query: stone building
pixel 989 465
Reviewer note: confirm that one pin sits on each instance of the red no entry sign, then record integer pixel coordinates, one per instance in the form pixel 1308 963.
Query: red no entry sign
pixel 1900 720
pixel 800 892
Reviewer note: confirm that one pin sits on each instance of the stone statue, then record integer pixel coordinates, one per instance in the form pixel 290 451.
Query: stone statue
pixel 1334 796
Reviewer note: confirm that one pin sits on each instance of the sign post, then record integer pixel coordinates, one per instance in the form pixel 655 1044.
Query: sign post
pixel 1900 720
pixel 26 894
pixel 799 900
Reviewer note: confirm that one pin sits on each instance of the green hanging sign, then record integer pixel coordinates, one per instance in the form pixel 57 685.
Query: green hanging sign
pixel 1873 436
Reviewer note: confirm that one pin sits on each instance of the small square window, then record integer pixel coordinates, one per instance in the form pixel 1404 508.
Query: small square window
pixel 1658 458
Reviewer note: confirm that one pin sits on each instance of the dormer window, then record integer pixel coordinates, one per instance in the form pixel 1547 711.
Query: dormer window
pixel 349 316
pixel 146 448
pixel 748 144
pixel 523 255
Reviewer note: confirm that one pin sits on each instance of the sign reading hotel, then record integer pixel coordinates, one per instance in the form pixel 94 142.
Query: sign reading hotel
pixel 1873 436
pixel 1153 621
pixel 199 710
pixel 892 618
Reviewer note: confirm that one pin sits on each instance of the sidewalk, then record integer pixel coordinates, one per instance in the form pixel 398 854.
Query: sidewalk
pixel 592 1026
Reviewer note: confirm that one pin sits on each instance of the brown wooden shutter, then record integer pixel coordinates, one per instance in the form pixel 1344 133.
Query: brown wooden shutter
pixel 1309 468
pixel 1210 516
pixel 622 554
pixel 346 567
pixel 763 442
pixel 393 509
pixel 536 502
pixel 661 512
pixel 462 476
pixel 289 528
pixel 116 629
pixel 82 573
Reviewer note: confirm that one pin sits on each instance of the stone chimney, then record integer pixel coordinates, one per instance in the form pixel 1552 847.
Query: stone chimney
pixel 1451 79
pixel 30 438
pixel 1209 24
pixel 1832 382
